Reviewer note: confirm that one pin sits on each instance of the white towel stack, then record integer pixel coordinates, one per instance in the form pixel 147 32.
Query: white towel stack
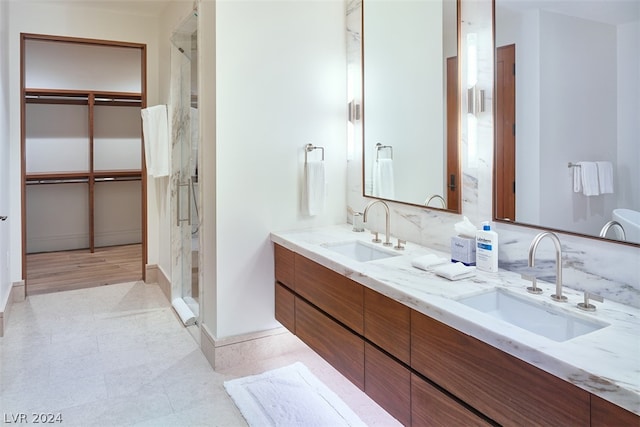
pixel 383 184
pixel 314 187
pixel 156 140
pixel 455 271
pixel 427 262
pixel 593 178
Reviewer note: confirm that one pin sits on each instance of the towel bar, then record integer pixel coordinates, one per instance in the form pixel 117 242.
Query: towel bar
pixel 573 165
pixel 309 148
pixel 379 147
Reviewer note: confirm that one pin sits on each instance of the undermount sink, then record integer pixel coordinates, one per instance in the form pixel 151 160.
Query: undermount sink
pixel 360 251
pixel 531 315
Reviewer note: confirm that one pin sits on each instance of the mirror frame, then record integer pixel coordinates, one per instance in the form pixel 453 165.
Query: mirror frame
pixel 459 124
pixel 495 157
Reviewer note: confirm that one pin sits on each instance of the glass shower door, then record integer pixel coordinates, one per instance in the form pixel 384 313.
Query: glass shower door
pixel 185 190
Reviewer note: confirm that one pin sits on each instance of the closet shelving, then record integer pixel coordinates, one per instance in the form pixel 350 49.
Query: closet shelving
pixel 91 176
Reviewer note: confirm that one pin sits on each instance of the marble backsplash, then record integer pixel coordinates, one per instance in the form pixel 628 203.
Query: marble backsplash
pixel 604 268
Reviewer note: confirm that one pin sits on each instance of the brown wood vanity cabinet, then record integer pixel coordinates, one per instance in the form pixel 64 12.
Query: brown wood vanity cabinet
pixel 420 370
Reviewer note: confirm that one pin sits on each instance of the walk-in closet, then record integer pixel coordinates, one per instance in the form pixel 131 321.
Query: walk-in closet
pixel 84 189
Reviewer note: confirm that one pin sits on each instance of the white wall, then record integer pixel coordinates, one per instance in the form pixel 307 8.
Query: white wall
pixel 5 282
pixel 628 194
pixel 66 18
pixel 401 42
pixel 577 116
pixel 280 83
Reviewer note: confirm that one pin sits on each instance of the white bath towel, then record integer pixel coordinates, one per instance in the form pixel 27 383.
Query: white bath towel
pixel 427 262
pixel 589 177
pixel 605 177
pixel 156 140
pixel 383 184
pixel 314 187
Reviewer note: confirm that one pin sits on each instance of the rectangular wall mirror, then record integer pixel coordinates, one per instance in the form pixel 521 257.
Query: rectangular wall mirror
pixel 410 102
pixel 567 99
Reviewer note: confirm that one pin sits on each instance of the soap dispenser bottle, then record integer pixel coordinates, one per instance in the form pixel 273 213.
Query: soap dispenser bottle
pixel 487 249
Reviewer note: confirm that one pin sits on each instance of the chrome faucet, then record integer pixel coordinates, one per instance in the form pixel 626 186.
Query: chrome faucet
pixel 610 224
pixel 532 251
pixel 387 241
pixel 437 197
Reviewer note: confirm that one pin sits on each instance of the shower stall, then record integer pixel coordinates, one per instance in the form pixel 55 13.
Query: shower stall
pixel 185 194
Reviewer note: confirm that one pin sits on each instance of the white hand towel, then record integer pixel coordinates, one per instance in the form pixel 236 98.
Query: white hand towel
pixel 589 175
pixel 455 271
pixel 156 140
pixel 577 179
pixel 605 177
pixel 427 262
pixel 383 185
pixel 314 187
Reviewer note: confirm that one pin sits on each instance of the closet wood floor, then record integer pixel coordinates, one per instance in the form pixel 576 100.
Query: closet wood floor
pixel 66 270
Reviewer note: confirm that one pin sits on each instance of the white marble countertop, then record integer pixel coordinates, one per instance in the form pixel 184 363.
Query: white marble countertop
pixel 605 362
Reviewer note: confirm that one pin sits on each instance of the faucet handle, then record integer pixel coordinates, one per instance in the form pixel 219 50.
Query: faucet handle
pixel 533 289
pixel 375 239
pixel 400 245
pixel 585 305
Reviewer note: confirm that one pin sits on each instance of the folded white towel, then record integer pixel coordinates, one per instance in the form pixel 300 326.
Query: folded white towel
pixel 314 187
pixel 589 175
pixel 605 177
pixel 427 262
pixel 455 271
pixel 156 140
pixel 383 183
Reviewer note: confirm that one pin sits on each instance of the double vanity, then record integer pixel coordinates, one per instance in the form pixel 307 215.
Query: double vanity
pixel 477 351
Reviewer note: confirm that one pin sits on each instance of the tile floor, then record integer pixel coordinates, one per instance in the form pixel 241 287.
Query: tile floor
pixel 117 355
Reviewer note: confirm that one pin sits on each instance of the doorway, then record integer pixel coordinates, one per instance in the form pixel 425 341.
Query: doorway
pixel 83 180
pixel 505 168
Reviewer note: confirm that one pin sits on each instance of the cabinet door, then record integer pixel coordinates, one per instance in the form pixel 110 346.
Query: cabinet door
pixel 388 383
pixel 333 293
pixel 285 307
pixel 604 413
pixel 284 266
pixel 432 407
pixel 336 344
pixel 387 323
pixel 506 389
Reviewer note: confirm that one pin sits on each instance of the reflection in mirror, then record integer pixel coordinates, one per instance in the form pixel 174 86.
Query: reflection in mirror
pixel 566 115
pixel 410 102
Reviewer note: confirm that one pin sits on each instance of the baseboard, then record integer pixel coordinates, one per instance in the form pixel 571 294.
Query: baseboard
pixel 246 349
pixel 155 274
pixel 16 294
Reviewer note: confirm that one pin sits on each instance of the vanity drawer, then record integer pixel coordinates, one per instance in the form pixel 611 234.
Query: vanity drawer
pixel 334 343
pixel 387 323
pixel 497 384
pixel 285 307
pixel 284 266
pixel 336 295
pixel 388 383
pixel 432 407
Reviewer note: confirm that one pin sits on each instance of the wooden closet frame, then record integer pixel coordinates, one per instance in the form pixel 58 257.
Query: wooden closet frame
pixel 81 97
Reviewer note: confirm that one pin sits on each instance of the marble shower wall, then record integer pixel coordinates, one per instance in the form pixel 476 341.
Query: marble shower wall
pixel 608 269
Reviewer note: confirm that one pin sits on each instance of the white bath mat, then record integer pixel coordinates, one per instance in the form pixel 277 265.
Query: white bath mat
pixel 289 396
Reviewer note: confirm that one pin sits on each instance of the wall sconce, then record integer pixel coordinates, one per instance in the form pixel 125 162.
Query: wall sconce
pixel 475 100
pixel 354 112
pixel 475 97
